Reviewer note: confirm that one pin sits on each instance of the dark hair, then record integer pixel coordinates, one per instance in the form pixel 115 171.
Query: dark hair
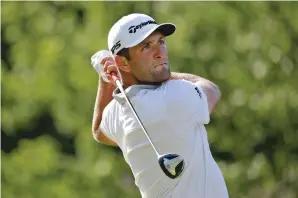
pixel 124 52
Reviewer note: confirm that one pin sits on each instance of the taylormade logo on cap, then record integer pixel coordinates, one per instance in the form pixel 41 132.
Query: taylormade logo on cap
pixel 132 29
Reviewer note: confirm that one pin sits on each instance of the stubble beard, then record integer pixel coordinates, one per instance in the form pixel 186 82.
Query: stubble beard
pixel 154 77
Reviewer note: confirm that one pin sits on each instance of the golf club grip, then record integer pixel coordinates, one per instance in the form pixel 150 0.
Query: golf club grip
pixel 117 81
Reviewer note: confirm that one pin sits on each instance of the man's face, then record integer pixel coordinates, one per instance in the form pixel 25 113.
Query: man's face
pixel 149 59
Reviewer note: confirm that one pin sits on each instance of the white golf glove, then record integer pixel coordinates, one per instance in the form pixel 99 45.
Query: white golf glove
pixel 95 61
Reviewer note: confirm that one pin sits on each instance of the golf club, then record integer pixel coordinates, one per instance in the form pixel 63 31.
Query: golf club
pixel 171 164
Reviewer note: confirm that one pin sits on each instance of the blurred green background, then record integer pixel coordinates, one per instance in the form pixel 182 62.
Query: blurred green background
pixel 250 49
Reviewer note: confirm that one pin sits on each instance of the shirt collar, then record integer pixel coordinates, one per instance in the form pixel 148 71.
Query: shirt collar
pixel 130 92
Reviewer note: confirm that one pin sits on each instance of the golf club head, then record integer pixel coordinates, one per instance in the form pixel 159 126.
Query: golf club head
pixel 172 165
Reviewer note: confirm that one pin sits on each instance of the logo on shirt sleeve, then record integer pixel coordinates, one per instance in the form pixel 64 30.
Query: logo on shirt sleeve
pixel 200 94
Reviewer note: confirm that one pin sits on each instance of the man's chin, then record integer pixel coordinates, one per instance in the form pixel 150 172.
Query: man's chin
pixel 166 79
pixel 157 78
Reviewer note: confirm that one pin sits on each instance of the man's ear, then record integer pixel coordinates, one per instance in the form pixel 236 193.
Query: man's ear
pixel 122 63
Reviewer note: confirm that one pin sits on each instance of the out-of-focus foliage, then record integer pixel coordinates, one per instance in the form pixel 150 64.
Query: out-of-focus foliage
pixel 250 49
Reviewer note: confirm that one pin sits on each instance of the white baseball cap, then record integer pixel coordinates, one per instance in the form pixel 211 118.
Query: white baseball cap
pixel 132 29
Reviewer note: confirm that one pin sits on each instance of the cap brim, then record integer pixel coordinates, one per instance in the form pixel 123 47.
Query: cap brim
pixel 165 28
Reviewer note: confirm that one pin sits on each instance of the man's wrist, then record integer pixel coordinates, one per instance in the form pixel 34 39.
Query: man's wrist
pixel 106 85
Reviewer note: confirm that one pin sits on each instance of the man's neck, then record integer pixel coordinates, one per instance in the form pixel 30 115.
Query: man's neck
pixel 129 80
pixel 126 85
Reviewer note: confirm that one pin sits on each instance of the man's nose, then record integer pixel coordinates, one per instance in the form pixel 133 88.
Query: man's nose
pixel 160 52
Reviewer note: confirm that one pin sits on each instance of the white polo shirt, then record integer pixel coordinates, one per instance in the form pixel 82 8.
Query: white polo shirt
pixel 174 115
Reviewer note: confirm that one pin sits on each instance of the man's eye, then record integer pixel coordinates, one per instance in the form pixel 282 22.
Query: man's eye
pixel 161 42
pixel 146 46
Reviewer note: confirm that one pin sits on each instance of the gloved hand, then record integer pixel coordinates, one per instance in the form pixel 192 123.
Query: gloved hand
pixel 95 61
pixel 98 64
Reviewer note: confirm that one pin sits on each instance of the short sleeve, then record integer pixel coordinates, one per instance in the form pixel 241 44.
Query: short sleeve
pixel 106 123
pixel 186 102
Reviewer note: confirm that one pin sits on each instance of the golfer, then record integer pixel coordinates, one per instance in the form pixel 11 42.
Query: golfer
pixel 174 107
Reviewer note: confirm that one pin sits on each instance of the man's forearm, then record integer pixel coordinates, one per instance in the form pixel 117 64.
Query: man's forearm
pixel 211 90
pixel 189 77
pixel 103 98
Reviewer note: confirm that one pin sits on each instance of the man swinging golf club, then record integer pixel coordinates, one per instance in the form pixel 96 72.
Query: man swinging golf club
pixel 155 116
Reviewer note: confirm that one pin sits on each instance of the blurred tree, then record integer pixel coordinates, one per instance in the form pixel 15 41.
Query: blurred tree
pixel 250 49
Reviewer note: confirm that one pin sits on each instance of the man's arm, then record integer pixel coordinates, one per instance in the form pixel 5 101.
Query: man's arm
pixel 103 98
pixel 211 90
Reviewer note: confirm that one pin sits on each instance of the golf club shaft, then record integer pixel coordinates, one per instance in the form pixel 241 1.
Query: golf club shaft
pixel 119 85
